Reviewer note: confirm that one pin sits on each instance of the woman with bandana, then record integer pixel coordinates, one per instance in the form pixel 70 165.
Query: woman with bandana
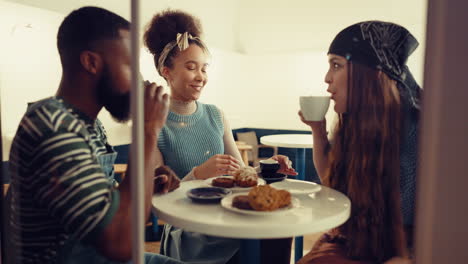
pixel 372 154
pixel 196 141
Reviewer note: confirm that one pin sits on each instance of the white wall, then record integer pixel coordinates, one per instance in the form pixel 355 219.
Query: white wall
pixel 219 18
pixel 296 25
pixel 253 90
pixel 272 86
pixel 30 66
pixel 263 91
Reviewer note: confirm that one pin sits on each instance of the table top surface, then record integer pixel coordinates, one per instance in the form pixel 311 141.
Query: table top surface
pixel 288 140
pixel 315 213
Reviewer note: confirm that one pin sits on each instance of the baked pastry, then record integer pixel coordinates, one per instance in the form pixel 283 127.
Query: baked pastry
pixel 284 198
pixel 223 182
pixel 246 177
pixel 241 202
pixel 267 198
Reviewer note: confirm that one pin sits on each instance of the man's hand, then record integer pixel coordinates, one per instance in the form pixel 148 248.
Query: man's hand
pixel 156 107
pixel 165 180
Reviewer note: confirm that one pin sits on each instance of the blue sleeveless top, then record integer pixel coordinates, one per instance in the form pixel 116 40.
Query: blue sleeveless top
pixel 187 141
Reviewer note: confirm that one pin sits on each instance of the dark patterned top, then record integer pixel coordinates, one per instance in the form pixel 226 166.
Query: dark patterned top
pixel 59 190
pixel 408 165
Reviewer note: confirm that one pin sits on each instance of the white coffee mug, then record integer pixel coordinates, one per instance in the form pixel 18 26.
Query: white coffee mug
pixel 314 108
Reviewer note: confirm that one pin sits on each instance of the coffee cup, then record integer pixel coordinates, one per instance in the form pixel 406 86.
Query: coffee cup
pixel 314 108
pixel 269 166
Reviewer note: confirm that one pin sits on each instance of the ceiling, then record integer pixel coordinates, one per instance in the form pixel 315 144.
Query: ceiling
pixel 268 26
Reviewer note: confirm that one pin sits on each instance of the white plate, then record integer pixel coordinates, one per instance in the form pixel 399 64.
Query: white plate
pixel 226 203
pixel 235 188
pixel 297 186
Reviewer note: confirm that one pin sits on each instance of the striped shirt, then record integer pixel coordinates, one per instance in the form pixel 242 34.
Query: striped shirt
pixel 59 191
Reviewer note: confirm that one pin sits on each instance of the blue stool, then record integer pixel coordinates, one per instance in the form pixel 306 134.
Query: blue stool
pixel 154 222
pixel 249 251
pixel 300 167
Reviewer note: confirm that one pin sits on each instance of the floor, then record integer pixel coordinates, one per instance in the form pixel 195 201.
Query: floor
pixel 309 241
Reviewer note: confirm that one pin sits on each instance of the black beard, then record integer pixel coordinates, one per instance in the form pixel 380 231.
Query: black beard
pixel 117 104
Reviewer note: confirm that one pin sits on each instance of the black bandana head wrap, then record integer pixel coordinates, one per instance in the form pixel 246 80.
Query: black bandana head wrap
pixel 383 46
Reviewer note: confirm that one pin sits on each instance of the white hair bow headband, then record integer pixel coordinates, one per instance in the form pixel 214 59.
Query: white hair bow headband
pixel 182 41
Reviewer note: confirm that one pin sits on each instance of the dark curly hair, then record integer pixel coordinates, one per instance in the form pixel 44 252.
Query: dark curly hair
pixel 163 29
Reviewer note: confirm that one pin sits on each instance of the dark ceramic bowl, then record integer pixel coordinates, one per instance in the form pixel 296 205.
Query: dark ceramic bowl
pixel 208 194
pixel 269 167
pixel 272 177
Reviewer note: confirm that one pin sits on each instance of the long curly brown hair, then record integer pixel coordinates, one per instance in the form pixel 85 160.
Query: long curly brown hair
pixel 365 165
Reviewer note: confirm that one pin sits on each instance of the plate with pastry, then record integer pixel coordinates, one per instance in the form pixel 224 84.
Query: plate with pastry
pixel 297 186
pixel 243 180
pixel 261 200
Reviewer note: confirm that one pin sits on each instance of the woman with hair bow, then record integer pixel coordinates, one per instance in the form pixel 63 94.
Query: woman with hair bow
pixel 372 155
pixel 197 141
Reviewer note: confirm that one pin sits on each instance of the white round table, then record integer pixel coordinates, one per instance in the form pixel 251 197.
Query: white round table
pixel 288 140
pixel 300 142
pixel 317 212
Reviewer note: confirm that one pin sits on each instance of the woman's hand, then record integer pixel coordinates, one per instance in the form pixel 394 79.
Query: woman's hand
pixel 217 165
pixel 285 165
pixel 316 126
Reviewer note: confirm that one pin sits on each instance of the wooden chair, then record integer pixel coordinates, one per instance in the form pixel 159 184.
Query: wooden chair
pixel 5 189
pixel 122 169
pixel 250 138
pixel 244 150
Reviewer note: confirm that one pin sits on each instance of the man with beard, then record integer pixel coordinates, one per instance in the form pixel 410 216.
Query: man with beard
pixel 64 206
